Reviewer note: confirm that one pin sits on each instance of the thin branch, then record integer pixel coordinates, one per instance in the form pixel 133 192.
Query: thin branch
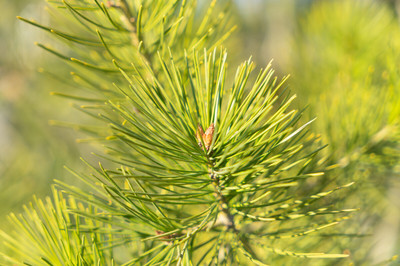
pixel 131 23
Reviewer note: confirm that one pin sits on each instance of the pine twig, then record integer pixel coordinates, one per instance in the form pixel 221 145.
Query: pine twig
pixel 131 23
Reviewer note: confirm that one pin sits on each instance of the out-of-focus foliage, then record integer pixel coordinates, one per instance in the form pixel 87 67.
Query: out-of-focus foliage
pixel 344 65
pixel 344 61
pixel 32 153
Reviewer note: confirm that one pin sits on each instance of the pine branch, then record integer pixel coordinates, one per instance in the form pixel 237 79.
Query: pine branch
pixel 172 192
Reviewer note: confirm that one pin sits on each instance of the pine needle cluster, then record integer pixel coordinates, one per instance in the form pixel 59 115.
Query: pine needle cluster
pixel 199 166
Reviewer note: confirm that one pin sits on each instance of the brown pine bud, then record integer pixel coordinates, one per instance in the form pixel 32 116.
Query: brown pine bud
pixel 167 238
pixel 199 134
pixel 208 136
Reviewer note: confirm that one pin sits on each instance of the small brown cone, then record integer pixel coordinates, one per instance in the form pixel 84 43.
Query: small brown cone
pixel 199 134
pixel 208 136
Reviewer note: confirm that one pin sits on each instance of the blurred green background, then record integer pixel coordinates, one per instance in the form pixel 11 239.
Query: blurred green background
pixel 32 153
pixel 343 57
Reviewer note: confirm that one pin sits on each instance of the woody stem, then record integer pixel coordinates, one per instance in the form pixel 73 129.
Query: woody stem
pixel 131 23
pixel 227 218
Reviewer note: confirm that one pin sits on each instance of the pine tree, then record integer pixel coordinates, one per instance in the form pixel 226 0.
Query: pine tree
pixel 200 166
